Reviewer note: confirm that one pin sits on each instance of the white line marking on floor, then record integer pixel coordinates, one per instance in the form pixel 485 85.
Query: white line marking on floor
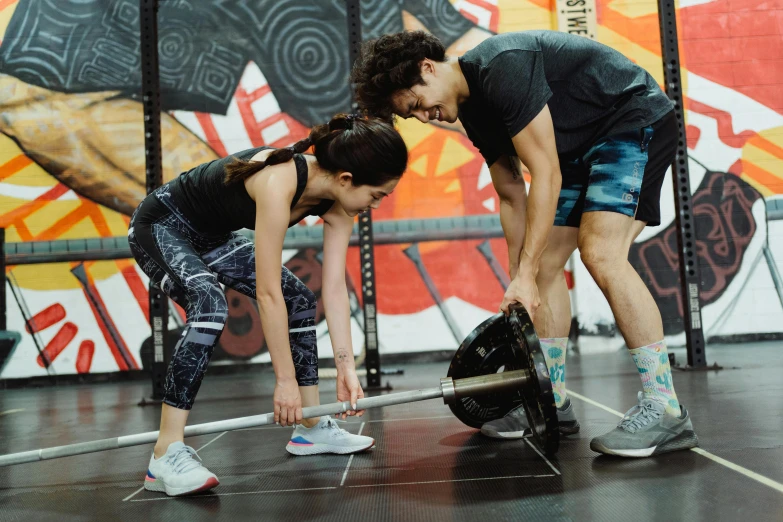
pixel 210 442
pixel 596 404
pixel 335 487
pixel 133 494
pixel 201 448
pixel 448 481
pixel 9 412
pixel 345 473
pixel 718 460
pixel 739 469
pixel 230 494
pixel 541 455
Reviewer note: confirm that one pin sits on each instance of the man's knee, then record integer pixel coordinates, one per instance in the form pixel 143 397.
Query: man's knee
pixel 549 271
pixel 555 256
pixel 600 257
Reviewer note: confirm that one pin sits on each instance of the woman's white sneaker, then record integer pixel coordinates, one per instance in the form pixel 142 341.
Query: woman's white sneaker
pixel 179 472
pixel 326 437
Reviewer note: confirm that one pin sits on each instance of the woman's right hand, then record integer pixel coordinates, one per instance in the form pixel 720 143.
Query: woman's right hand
pixel 288 403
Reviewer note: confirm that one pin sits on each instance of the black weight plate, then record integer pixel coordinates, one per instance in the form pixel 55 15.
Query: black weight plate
pixel 487 349
pixel 539 397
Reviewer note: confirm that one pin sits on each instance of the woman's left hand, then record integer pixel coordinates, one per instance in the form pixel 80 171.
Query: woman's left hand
pixel 349 389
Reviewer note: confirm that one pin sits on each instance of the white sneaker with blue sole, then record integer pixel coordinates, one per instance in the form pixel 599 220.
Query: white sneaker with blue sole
pixel 326 437
pixel 178 472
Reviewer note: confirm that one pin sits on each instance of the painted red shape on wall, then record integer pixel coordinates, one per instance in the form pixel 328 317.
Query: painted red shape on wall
pixel 46 318
pixel 693 134
pixel 137 288
pixel 84 358
pixel 58 343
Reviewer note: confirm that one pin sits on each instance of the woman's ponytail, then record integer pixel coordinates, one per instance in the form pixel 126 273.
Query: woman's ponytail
pixel 240 170
pixel 369 148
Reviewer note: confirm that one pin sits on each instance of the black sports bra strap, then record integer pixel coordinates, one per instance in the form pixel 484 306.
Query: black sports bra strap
pixel 301 178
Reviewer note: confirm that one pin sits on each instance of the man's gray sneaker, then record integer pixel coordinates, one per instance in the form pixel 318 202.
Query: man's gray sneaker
pixel 647 430
pixel 514 425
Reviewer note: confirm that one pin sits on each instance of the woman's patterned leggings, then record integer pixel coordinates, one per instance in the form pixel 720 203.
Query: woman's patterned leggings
pixel 188 267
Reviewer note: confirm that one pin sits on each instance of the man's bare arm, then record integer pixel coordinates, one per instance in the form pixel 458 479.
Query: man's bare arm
pixel 510 186
pixel 535 146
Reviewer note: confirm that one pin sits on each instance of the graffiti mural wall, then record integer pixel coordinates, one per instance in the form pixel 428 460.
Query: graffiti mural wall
pixel 236 75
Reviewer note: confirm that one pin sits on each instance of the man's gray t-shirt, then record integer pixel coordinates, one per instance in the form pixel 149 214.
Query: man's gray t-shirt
pixel 592 91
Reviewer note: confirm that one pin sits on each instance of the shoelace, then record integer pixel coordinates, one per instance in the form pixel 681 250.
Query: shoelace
pixel 334 429
pixel 644 415
pixel 184 460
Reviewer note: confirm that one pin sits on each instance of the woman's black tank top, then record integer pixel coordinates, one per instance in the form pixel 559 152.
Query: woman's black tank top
pixel 213 207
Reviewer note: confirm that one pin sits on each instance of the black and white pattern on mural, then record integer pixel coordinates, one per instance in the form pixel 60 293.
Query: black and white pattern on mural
pixel 440 17
pixel 94 45
pixel 301 46
pixel 194 268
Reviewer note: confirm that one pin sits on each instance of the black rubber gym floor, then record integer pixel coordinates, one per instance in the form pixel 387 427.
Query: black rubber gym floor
pixel 426 464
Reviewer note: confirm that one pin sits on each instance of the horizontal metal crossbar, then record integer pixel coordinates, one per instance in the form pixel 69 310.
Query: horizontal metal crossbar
pixel 385 233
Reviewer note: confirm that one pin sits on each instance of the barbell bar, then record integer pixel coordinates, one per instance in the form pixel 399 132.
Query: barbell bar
pixel 450 390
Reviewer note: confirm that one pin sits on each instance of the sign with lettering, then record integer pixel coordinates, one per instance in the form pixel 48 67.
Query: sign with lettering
pixel 577 17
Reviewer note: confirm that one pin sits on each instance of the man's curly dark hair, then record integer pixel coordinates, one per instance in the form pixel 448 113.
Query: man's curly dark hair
pixel 389 64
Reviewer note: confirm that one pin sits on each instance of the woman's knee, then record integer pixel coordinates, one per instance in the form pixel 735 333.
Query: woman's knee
pixel 207 314
pixel 207 302
pixel 301 303
pixel 299 300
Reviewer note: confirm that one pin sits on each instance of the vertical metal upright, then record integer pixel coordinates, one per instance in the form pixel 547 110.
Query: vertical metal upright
pixel 150 81
pixel 366 244
pixel 690 276
pixel 3 311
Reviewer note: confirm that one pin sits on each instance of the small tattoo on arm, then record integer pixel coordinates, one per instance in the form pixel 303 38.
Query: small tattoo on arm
pixel 341 355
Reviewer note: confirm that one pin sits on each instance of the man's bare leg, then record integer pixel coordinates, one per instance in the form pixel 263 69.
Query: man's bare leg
pixel 605 239
pixel 553 317
pixel 552 323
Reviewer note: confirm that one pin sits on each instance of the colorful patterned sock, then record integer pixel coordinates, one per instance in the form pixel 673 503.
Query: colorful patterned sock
pixel 656 373
pixel 554 349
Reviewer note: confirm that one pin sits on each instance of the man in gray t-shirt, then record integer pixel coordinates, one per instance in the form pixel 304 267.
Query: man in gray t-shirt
pixel 591 91
pixel 597 135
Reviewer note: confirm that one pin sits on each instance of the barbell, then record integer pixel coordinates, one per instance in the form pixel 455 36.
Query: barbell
pixel 473 389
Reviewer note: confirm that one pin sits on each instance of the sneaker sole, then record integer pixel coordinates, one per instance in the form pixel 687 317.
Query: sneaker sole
pixel 569 429
pixel 159 486
pixel 317 449
pixel 683 441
